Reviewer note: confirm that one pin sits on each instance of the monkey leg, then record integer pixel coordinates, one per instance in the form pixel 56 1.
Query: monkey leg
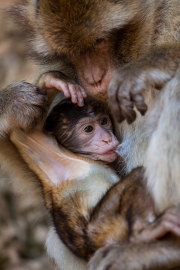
pixel 57 80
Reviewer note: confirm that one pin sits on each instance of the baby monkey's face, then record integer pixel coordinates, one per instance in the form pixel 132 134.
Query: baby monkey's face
pixel 97 141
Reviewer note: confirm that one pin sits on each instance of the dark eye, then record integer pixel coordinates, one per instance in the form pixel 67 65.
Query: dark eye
pixel 88 129
pixel 104 121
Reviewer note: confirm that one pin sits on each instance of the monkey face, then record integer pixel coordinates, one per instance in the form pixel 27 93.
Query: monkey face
pixel 95 138
pixel 94 69
pixel 84 32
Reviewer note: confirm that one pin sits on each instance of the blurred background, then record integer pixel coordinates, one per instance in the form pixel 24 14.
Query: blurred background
pixel 23 223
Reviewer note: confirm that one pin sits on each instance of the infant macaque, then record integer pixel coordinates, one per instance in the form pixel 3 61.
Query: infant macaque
pixel 86 130
pixel 91 207
pixel 123 211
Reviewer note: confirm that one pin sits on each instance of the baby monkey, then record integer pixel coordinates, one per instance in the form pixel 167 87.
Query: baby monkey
pixel 124 210
pixel 86 130
pixel 91 207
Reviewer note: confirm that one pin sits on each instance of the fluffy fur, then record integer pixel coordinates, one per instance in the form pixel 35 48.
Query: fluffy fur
pixel 139 37
pixel 163 157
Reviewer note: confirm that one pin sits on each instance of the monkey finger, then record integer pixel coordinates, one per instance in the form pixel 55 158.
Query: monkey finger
pixel 172 216
pixel 49 81
pixel 80 95
pixel 112 92
pixel 169 226
pixel 105 258
pixel 114 103
pixel 148 234
pixel 59 85
pixel 174 211
pixel 158 230
pixel 138 100
pixel 74 94
pixel 130 115
pixel 127 110
pixel 117 112
pixel 82 92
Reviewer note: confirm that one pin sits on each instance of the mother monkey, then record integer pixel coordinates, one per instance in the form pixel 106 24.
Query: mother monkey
pixel 124 51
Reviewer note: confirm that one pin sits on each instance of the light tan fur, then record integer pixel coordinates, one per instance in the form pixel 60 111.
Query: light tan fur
pixel 163 158
pixel 141 39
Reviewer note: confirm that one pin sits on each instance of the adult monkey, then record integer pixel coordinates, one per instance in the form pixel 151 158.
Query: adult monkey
pixel 84 44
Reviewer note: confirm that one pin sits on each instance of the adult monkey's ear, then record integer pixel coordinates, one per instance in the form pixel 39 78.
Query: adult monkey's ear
pixel 50 163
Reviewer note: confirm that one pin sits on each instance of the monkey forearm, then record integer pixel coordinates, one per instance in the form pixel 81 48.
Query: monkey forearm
pixel 157 255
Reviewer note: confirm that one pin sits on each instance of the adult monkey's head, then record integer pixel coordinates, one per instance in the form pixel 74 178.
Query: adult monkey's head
pixel 85 34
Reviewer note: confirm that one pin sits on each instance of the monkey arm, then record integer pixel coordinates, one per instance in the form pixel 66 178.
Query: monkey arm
pixel 163 254
pixel 129 83
pixel 57 80
pixel 21 105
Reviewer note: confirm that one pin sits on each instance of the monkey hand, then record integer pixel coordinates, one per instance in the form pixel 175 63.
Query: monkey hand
pixel 21 105
pixel 125 256
pixel 127 86
pixel 110 257
pixel 57 80
pixel 138 256
pixel 168 222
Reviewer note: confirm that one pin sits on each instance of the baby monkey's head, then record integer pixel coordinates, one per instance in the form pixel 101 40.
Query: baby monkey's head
pixel 86 130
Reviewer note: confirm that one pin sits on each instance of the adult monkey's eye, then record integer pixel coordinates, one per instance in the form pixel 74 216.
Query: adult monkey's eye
pixel 104 121
pixel 88 129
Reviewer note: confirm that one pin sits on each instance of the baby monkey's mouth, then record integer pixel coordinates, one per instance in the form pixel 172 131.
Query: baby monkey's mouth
pixel 111 152
pixel 117 149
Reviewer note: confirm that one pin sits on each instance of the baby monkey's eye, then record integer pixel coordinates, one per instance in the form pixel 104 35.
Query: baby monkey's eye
pixel 88 129
pixel 104 121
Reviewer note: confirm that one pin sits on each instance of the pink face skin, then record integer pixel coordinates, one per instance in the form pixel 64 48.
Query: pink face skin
pixel 94 71
pixel 97 139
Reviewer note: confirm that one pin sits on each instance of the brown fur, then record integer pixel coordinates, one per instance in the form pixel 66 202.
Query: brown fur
pixel 111 221
pixel 142 34
pixel 83 222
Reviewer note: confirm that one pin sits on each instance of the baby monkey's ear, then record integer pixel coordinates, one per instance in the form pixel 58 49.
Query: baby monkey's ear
pixel 44 157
